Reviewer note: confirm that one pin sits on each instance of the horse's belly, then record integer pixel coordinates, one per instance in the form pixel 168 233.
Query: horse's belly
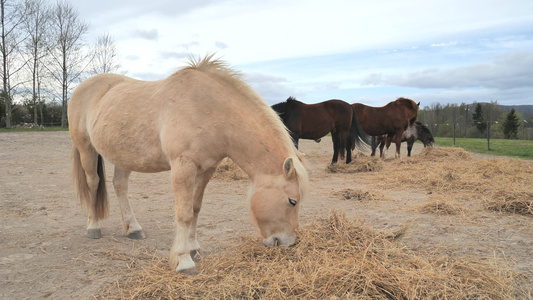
pixel 129 149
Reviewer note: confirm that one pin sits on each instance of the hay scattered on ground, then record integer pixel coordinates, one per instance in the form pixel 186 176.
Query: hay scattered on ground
pixel 360 163
pixel 333 259
pixel 361 195
pixel 502 184
pixel 441 207
pixel 227 170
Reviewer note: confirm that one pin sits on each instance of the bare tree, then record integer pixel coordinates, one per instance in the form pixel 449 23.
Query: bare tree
pixel 104 55
pixel 37 26
pixel 68 59
pixel 12 16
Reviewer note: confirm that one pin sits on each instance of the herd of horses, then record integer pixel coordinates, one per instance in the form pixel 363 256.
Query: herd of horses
pixel 354 125
pixel 181 124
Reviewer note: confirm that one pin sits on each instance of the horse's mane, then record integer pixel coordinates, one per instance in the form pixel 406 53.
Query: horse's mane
pixel 407 102
pixel 222 70
pixel 422 128
pixel 285 106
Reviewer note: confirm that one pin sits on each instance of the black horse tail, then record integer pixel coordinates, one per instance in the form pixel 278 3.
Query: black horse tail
pixel 358 137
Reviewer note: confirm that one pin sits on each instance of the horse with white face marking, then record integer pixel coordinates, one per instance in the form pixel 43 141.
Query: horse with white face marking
pixel 186 123
pixel 415 132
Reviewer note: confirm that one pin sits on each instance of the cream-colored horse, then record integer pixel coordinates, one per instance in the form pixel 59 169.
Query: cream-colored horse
pixel 186 123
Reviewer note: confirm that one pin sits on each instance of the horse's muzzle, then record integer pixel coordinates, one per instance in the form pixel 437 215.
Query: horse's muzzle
pixel 282 239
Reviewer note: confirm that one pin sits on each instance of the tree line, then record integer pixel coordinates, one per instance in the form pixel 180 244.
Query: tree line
pixel 477 120
pixel 44 56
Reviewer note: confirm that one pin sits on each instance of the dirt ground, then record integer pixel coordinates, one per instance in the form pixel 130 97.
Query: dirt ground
pixel 44 252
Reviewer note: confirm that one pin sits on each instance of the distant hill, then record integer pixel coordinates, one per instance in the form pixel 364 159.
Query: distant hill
pixel 523 109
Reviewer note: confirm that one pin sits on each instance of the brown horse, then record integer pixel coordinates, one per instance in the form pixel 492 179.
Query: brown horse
pixel 391 119
pixel 313 121
pixel 415 132
pixel 181 124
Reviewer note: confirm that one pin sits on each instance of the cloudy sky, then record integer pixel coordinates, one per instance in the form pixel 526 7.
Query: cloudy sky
pixel 446 51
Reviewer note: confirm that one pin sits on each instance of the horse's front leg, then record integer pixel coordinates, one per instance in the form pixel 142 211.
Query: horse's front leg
pixel 183 173
pixel 129 223
pixel 410 147
pixel 199 188
pixel 336 141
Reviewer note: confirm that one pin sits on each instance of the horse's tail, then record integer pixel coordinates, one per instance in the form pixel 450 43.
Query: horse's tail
pixel 358 137
pixel 100 206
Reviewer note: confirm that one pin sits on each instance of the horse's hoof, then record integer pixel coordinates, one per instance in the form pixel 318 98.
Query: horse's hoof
pixel 196 255
pixel 188 272
pixel 94 233
pixel 137 235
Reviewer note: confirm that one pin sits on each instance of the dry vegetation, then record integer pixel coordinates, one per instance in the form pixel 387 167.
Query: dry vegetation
pixel 338 259
pixel 227 170
pixel 361 195
pixel 451 176
pixel 360 163
pixel 333 258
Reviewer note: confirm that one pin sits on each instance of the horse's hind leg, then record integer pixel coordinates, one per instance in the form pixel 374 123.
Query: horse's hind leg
pixel 89 173
pixel 129 222
pixel 398 142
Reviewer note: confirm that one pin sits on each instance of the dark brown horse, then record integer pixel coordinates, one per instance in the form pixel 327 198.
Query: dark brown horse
pixel 415 132
pixel 313 121
pixel 391 119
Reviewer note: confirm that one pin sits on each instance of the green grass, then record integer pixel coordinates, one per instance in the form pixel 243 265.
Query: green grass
pixel 55 128
pixel 513 148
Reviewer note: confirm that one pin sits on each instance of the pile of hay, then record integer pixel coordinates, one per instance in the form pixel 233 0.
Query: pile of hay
pixel 227 170
pixel 360 163
pixel 361 195
pixel 501 184
pixel 333 258
pixel 441 207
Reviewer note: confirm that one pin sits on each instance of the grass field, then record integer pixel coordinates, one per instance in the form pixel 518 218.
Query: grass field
pixel 513 148
pixel 55 128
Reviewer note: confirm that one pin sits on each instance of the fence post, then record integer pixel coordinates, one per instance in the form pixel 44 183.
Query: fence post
pixel 488 135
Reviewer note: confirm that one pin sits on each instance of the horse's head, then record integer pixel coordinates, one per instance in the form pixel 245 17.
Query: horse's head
pixel 425 135
pixel 275 203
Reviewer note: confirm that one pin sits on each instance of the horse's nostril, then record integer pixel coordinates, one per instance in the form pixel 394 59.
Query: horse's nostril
pixel 276 242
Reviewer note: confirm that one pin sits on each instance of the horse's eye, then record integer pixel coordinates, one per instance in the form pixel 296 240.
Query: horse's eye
pixel 292 202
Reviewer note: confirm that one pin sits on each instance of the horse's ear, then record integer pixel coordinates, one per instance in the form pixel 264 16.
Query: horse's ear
pixel 418 104
pixel 288 168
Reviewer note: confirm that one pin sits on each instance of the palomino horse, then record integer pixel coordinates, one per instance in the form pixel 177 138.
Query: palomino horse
pixel 313 121
pixel 391 119
pixel 181 124
pixel 415 132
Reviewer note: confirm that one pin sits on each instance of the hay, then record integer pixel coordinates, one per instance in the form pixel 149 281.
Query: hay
pixel 227 170
pixel 333 258
pixel 361 195
pixel 441 207
pixel 360 163
pixel 501 184
pixel 445 153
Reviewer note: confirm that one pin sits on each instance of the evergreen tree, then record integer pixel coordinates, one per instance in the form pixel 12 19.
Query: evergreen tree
pixel 477 118
pixel 510 125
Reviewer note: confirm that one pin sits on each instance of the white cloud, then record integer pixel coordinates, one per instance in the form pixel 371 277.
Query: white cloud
pixel 151 34
pixel 272 89
pixel 510 70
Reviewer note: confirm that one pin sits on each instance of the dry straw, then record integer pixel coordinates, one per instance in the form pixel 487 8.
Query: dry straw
pixel 500 184
pixel 360 163
pixel 227 170
pixel 361 195
pixel 333 259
